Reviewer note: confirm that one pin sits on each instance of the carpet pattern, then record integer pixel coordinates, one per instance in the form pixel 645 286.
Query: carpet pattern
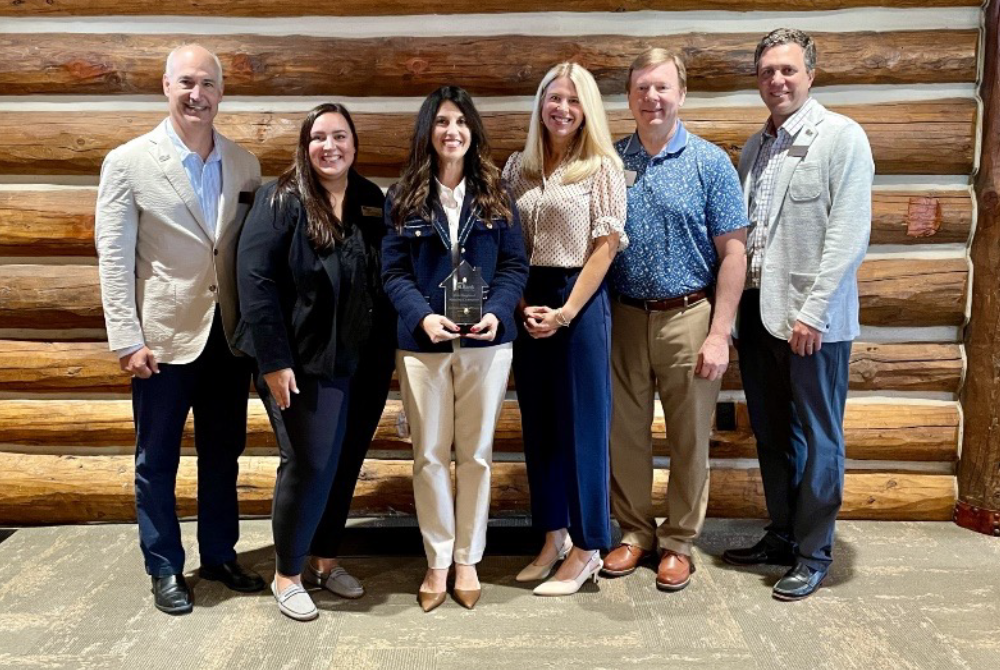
pixel 900 596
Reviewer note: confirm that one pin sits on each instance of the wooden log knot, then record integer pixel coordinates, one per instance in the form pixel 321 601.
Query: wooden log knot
pixel 923 216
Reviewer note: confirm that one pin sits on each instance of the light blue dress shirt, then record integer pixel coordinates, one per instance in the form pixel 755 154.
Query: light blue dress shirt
pixel 205 176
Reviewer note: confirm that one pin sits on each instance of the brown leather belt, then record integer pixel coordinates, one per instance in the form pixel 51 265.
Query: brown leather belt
pixel 666 304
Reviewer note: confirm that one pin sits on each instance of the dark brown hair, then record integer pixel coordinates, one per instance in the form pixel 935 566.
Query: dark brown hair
pixel 300 180
pixel 417 193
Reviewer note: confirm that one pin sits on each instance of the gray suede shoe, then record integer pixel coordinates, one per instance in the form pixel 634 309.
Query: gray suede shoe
pixel 338 582
pixel 294 602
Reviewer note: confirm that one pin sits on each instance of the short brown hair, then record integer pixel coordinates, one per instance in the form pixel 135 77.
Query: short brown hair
pixel 657 56
pixel 776 38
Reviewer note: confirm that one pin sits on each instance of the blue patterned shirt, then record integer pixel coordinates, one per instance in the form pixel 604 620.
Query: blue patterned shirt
pixel 681 199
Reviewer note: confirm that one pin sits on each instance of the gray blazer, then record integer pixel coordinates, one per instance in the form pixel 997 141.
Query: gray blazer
pixel 818 228
pixel 162 270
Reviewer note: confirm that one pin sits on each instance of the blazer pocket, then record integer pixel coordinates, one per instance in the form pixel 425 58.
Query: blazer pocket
pixel 805 184
pixel 417 230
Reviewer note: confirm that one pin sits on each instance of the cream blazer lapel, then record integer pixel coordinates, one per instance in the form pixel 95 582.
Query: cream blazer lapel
pixel 748 157
pixel 166 156
pixel 231 181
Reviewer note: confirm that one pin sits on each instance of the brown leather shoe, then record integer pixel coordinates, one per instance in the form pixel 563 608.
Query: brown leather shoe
pixel 623 560
pixel 674 572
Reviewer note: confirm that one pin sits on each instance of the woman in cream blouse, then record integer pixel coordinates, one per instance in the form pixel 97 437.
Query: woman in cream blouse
pixel 570 190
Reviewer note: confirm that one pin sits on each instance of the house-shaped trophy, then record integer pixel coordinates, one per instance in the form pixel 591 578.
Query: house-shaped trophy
pixel 463 295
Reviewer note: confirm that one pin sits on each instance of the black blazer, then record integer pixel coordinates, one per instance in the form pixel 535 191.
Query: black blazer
pixel 307 310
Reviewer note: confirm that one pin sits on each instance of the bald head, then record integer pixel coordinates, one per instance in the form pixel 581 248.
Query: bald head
pixel 192 55
pixel 193 86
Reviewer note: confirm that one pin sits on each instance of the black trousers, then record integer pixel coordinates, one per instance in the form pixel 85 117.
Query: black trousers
pixel 215 386
pixel 323 446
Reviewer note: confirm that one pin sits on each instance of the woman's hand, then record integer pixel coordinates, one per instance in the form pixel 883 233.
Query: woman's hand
pixel 540 321
pixel 281 384
pixel 486 329
pixel 439 328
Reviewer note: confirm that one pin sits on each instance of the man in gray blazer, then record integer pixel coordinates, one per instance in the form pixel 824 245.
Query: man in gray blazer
pixel 169 211
pixel 807 179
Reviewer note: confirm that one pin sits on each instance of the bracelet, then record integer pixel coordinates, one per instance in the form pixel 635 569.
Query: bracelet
pixel 562 320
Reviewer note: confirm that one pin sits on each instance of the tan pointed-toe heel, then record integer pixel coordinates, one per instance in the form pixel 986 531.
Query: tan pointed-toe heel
pixel 430 600
pixel 467 598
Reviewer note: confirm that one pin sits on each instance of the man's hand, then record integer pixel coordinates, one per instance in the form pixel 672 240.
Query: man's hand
pixel 440 328
pixel 281 384
pixel 486 329
pixel 805 340
pixel 713 357
pixel 141 363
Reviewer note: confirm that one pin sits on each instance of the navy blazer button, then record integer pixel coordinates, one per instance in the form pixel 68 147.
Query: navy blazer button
pixel 489 225
pixel 463 250
pixel 417 233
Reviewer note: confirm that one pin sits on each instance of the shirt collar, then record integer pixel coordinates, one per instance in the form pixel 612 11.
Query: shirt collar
pixel 457 193
pixel 809 111
pixel 186 153
pixel 674 146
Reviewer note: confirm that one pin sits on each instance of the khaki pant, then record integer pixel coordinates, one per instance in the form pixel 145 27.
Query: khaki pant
pixel 453 398
pixel 658 351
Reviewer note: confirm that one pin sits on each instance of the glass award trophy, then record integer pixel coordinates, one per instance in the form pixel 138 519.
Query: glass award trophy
pixel 463 296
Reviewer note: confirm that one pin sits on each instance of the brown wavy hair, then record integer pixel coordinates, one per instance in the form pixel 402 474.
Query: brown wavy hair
pixel 416 193
pixel 300 180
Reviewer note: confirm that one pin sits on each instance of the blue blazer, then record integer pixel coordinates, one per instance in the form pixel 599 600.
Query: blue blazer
pixel 417 259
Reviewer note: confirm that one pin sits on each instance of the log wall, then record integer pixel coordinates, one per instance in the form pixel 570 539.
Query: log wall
pixel 72 91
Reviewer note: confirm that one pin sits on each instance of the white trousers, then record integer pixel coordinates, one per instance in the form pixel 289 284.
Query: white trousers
pixel 453 398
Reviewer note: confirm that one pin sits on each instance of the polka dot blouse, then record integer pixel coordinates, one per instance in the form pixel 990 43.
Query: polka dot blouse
pixel 561 221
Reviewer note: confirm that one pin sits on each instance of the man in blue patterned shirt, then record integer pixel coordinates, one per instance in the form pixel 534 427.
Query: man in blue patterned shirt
pixel 687 226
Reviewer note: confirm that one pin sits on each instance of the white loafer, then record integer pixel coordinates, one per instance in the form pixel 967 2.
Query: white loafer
pixel 338 582
pixel 567 587
pixel 294 602
pixel 536 573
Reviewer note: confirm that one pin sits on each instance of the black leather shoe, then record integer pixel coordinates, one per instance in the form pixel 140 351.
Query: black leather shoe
pixel 234 576
pixel 771 550
pixel 798 583
pixel 171 595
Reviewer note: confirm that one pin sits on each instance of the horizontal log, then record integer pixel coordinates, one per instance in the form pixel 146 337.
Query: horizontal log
pixel 41 367
pixel 873 431
pixel 905 137
pixel 79 64
pixel 268 8
pixel 71 489
pixel 910 292
pixel 60 222
pixel 902 292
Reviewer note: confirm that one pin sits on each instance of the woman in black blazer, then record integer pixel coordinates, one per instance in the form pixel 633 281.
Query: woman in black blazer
pixel 323 333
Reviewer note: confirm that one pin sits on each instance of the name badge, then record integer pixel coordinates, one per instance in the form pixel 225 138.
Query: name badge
pixel 630 176
pixel 798 150
pixel 371 211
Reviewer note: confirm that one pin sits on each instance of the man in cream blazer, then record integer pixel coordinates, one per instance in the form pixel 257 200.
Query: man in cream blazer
pixel 807 179
pixel 169 211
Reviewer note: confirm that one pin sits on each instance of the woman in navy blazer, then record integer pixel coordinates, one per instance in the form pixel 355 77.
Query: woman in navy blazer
pixel 449 208
pixel 323 332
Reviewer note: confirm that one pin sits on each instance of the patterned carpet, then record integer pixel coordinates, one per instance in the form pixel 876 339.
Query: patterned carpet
pixel 901 595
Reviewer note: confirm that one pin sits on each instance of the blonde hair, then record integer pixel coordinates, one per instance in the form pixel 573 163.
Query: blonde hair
pixel 657 56
pixel 592 143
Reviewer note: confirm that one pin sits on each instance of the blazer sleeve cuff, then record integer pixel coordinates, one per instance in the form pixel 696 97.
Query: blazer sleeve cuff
pixel 270 343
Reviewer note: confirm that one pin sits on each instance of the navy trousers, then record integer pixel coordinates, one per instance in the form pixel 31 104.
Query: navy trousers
pixel 369 390
pixel 564 392
pixel 310 434
pixel 215 387
pixel 796 406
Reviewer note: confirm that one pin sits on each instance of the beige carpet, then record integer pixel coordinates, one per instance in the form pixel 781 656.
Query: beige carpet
pixel 901 595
